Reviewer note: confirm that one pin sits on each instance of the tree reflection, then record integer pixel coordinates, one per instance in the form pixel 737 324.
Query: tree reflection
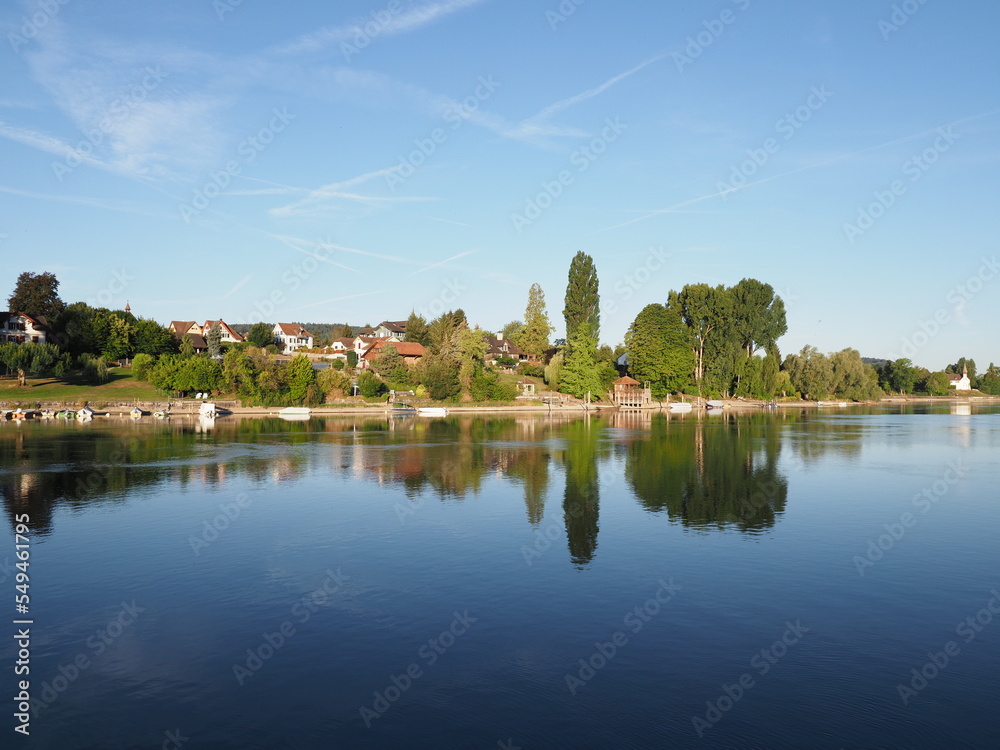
pixel 710 473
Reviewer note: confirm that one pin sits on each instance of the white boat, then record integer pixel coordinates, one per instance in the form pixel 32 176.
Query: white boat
pixel 135 412
pixel 159 414
pixel 432 411
pixel 85 413
pixel 207 410
pixel 299 410
pixel 714 404
pixel 680 407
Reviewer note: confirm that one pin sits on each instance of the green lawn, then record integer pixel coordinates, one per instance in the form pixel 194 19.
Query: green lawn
pixel 121 386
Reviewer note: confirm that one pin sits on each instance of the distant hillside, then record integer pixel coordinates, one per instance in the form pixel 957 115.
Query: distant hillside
pixel 874 361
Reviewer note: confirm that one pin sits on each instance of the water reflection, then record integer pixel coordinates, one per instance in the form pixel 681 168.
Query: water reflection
pixel 704 473
pixel 712 474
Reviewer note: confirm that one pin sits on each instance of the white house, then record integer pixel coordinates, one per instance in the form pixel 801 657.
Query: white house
pixel 229 336
pixel 960 382
pixel 19 328
pixel 292 336
pixel 387 329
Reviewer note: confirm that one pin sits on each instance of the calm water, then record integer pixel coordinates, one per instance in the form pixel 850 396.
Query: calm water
pixel 631 581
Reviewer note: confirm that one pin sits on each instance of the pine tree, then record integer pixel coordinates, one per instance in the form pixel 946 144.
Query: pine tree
pixel 583 300
pixel 416 329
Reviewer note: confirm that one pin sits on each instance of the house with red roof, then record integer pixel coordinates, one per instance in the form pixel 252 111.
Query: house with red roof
pixel 292 336
pixel 20 328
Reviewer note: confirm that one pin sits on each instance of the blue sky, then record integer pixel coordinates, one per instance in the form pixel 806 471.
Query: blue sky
pixel 353 161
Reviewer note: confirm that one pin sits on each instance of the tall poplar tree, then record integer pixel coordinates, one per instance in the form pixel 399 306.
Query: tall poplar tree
pixel 583 301
pixel 533 338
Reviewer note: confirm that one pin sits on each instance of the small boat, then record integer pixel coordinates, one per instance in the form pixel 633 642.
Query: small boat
pixel 432 411
pixel 715 404
pixel 46 414
pixel 85 413
pixel 160 414
pixel 207 410
pixel 680 407
pixel 135 412
pixel 299 410
pixel 65 414
pixel 18 415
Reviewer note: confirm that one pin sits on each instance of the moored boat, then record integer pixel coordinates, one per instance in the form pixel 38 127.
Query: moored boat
pixel 432 411
pixel 715 404
pixel 680 407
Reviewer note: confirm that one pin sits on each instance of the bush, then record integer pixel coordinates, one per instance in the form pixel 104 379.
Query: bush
pixel 441 379
pixel 531 370
pixel 369 385
pixel 142 364
pixel 487 385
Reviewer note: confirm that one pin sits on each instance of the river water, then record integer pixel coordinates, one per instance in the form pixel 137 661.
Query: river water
pixel 822 579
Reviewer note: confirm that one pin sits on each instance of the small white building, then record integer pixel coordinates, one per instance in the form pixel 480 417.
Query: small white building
pixel 960 382
pixel 20 328
pixel 292 336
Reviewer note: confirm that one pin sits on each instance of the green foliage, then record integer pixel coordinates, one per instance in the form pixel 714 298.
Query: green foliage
pixel 472 346
pixel 852 378
pixel 898 376
pixel 416 329
pixel 758 315
pixel 512 331
pixel 174 372
pixel 260 335
pixel 533 338
pixel 333 383
pixel 443 331
pixel 369 384
pixel 531 370
pixel 352 358
pixel 300 377
pixel 149 337
pixel 659 350
pixel 810 372
pixel 508 363
pixel 440 376
pixel 36 295
pixel 337 364
pixel 390 366
pixel 186 347
pixel 553 370
pixel 487 385
pixel 95 370
pixel 36 359
pixel 580 374
pixel 583 300
pixel 214 340
pixel 990 381
pixel 939 385
pixel 142 364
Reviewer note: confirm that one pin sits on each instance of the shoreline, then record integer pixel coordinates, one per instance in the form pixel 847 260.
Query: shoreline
pixel 190 408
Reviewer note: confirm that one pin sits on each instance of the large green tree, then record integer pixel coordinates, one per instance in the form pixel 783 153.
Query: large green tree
pixel 260 335
pixel 533 338
pixel 36 294
pixel 706 311
pixel 811 373
pixel 659 350
pixel 758 315
pixel 35 359
pixel 580 373
pixel 416 329
pixel 583 299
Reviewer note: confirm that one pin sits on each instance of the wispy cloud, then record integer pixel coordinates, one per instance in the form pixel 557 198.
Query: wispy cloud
pixel 540 126
pixel 239 285
pixel 337 299
pixel 438 265
pixel 321 200
pixel 401 23
pixel 815 165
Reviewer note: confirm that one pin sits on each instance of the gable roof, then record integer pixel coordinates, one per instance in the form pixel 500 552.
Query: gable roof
pixel 293 329
pixel 396 326
pixel 225 326
pixel 179 327
pixel 500 347
pixel 626 381
pixel 38 321
pixel 405 348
